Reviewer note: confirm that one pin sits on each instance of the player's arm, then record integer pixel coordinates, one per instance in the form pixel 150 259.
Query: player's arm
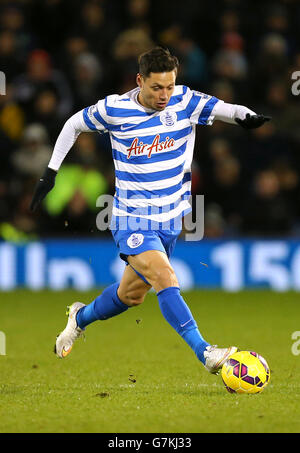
pixel 238 114
pixel 90 119
pixel 67 137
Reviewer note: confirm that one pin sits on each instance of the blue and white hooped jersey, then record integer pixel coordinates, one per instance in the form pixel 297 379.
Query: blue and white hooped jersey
pixel 152 151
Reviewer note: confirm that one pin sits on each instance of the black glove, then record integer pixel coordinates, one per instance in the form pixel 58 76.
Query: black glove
pixel 252 121
pixel 45 184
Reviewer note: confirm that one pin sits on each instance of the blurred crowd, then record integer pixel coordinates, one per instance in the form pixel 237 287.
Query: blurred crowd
pixel 60 56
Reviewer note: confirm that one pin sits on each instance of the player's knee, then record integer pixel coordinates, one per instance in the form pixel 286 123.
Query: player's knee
pixel 164 277
pixel 132 298
pixel 135 301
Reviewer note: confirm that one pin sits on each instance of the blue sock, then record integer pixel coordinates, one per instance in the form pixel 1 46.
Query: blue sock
pixel 103 307
pixel 179 316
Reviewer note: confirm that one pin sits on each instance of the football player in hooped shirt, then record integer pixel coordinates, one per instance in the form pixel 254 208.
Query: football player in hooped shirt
pixel 152 132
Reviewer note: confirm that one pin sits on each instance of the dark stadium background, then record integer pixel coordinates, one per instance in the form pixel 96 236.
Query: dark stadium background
pixel 61 55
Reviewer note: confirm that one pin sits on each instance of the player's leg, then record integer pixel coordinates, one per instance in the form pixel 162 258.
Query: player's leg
pixel 113 301
pixel 132 289
pixel 155 266
pixel 157 270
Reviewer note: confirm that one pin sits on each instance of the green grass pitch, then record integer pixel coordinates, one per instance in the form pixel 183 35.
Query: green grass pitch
pixel 134 374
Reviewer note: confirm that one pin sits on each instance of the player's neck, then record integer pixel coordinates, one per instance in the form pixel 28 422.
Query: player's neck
pixel 141 101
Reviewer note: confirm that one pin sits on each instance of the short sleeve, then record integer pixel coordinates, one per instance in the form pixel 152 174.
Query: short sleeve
pixel 94 117
pixel 200 108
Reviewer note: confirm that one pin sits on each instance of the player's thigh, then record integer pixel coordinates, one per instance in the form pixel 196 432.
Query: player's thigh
pixel 132 289
pixel 155 267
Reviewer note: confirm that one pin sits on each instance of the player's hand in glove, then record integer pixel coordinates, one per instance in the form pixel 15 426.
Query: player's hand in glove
pixel 45 184
pixel 252 121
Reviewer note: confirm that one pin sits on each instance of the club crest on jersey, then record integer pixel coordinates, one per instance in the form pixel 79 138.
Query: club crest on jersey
pixel 135 240
pixel 168 118
pixel 138 147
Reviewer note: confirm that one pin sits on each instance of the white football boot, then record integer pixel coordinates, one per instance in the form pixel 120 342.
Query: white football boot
pixel 216 357
pixel 65 340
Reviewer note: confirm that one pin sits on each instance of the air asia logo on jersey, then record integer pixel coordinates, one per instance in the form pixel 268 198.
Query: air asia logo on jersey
pixel 137 147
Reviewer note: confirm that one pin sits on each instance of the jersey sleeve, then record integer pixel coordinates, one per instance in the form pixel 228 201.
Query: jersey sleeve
pixel 200 108
pixel 72 128
pixel 93 117
pixel 96 118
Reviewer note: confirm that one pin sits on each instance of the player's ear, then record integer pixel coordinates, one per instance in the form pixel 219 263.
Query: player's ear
pixel 139 80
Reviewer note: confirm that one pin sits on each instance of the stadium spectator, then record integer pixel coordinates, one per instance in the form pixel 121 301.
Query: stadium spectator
pixel 41 75
pixel 193 69
pixel 87 81
pixel 128 45
pixel 13 19
pixel 266 211
pixel 138 12
pixel 31 158
pixel 10 60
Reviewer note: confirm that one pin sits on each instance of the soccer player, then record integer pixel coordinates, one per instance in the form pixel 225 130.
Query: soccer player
pixel 152 133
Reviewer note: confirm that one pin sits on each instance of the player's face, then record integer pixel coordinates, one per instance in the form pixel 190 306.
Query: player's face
pixel 156 89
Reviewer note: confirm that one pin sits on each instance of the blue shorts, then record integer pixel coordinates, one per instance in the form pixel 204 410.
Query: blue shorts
pixel 134 243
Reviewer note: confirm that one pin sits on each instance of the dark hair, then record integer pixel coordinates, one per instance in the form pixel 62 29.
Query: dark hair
pixel 157 60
